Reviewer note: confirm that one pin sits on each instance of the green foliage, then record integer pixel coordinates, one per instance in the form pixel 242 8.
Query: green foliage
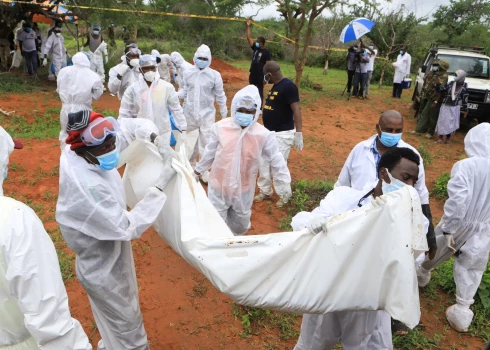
pixel 10 83
pixel 306 83
pixel 424 153
pixel 440 187
pixel 66 264
pixel 253 319
pixel 416 339
pixel 45 126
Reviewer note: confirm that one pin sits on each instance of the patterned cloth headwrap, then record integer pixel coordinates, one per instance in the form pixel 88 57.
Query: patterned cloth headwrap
pixel 77 122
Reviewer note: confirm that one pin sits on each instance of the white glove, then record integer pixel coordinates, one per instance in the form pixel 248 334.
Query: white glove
pixel 196 177
pixel 317 225
pixel 378 202
pixel 183 136
pixel 450 243
pixel 45 62
pixel 164 148
pixel 224 113
pixel 106 59
pixel 167 175
pixel 298 141
pixel 122 69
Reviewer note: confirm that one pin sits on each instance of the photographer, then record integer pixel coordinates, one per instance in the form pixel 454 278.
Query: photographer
pixel 361 69
pixel 351 66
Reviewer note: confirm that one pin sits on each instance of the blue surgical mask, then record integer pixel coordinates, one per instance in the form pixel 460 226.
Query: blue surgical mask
pixel 435 68
pixel 390 140
pixel 401 52
pixel 96 32
pixel 371 47
pixel 257 45
pixel 244 119
pixel 28 30
pixel 200 63
pixel 394 184
pixel 109 160
pixel 267 80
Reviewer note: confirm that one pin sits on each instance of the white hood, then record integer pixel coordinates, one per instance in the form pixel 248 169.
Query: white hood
pixel 203 51
pixel 250 91
pixel 6 148
pixel 477 141
pixel 177 59
pixel 81 60
pixel 155 53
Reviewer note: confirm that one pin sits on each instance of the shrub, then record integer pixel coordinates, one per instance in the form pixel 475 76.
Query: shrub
pixel 440 187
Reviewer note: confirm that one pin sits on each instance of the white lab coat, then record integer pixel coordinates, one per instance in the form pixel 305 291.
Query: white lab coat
pixel 360 169
pixel 117 86
pixel 77 87
pixel 153 103
pixel 201 88
pixel 97 61
pixel 367 330
pixel 91 212
pixel 181 66
pixel 55 48
pixel 234 154
pixel 402 67
pixel 467 217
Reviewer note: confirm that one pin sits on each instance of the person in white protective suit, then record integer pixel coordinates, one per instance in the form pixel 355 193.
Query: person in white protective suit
pixel 91 212
pixel 202 86
pixel 34 312
pixel 233 151
pixel 402 70
pixel 77 87
pixel 166 69
pixel 151 98
pixel 181 66
pixel 464 230
pixel 367 330
pixel 98 51
pixel 55 48
pixel 125 73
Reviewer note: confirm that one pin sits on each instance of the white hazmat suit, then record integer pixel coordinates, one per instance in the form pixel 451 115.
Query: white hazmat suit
pixel 181 66
pixel 92 215
pixel 234 154
pixel 201 88
pixel 97 60
pixel 34 312
pixel 166 68
pixel 55 48
pixel 153 102
pixel 402 68
pixel 467 218
pixel 77 87
pixel 117 86
pixel 367 330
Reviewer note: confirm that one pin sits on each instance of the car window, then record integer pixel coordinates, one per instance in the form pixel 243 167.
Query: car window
pixel 475 67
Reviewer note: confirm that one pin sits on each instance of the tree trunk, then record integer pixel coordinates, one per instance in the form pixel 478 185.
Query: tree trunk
pixel 325 68
pixel 383 73
pixel 306 43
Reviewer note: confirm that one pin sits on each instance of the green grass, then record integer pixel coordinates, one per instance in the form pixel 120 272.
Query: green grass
pixel 66 264
pixel 42 127
pixel 440 187
pixel 424 153
pixel 13 83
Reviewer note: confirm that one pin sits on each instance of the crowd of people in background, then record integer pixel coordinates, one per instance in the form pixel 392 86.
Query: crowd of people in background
pixel 229 156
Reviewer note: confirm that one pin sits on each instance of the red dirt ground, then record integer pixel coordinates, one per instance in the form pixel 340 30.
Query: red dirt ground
pixel 178 315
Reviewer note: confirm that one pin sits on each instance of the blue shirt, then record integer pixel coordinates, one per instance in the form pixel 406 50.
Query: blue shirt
pixel 376 154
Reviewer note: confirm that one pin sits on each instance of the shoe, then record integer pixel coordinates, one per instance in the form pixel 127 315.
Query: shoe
pixel 282 202
pixel 413 132
pixel 261 196
pixel 428 136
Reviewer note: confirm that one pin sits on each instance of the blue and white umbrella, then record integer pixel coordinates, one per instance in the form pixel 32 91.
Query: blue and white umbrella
pixel 355 29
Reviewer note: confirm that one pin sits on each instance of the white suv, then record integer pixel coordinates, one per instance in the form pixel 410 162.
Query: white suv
pixel 475 63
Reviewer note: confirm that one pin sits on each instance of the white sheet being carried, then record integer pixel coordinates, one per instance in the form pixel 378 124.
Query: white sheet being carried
pixel 365 262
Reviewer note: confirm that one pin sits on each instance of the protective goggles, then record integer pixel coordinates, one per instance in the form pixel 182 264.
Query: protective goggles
pixel 246 102
pixel 97 131
pixel 134 52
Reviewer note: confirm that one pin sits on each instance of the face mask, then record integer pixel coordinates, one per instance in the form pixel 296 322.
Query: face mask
pixel 150 76
pixel 201 64
pixel 244 119
pixel 266 80
pixel 96 32
pixel 435 68
pixel 389 140
pixel 28 30
pixel 401 53
pixel 257 45
pixel 109 160
pixel 135 62
pixel 394 184
pixel 371 47
pixel 57 34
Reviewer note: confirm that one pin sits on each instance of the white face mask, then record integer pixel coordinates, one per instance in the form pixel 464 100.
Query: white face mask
pixel 394 185
pixel 150 76
pixel 135 62
pixel 58 34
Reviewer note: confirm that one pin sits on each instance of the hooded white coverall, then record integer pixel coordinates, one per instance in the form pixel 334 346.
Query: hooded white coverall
pixel 201 88
pixel 402 68
pixel 34 312
pixel 366 330
pixel 181 66
pixel 92 215
pixel 97 61
pixel 467 218
pixel 153 103
pixel 234 154
pixel 117 86
pixel 77 87
pixel 55 48
pixel 166 68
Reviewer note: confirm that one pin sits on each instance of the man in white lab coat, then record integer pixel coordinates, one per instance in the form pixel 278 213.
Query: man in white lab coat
pixel 402 70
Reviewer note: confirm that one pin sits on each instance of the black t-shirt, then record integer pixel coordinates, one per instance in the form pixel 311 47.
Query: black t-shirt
pixel 277 114
pixel 260 57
